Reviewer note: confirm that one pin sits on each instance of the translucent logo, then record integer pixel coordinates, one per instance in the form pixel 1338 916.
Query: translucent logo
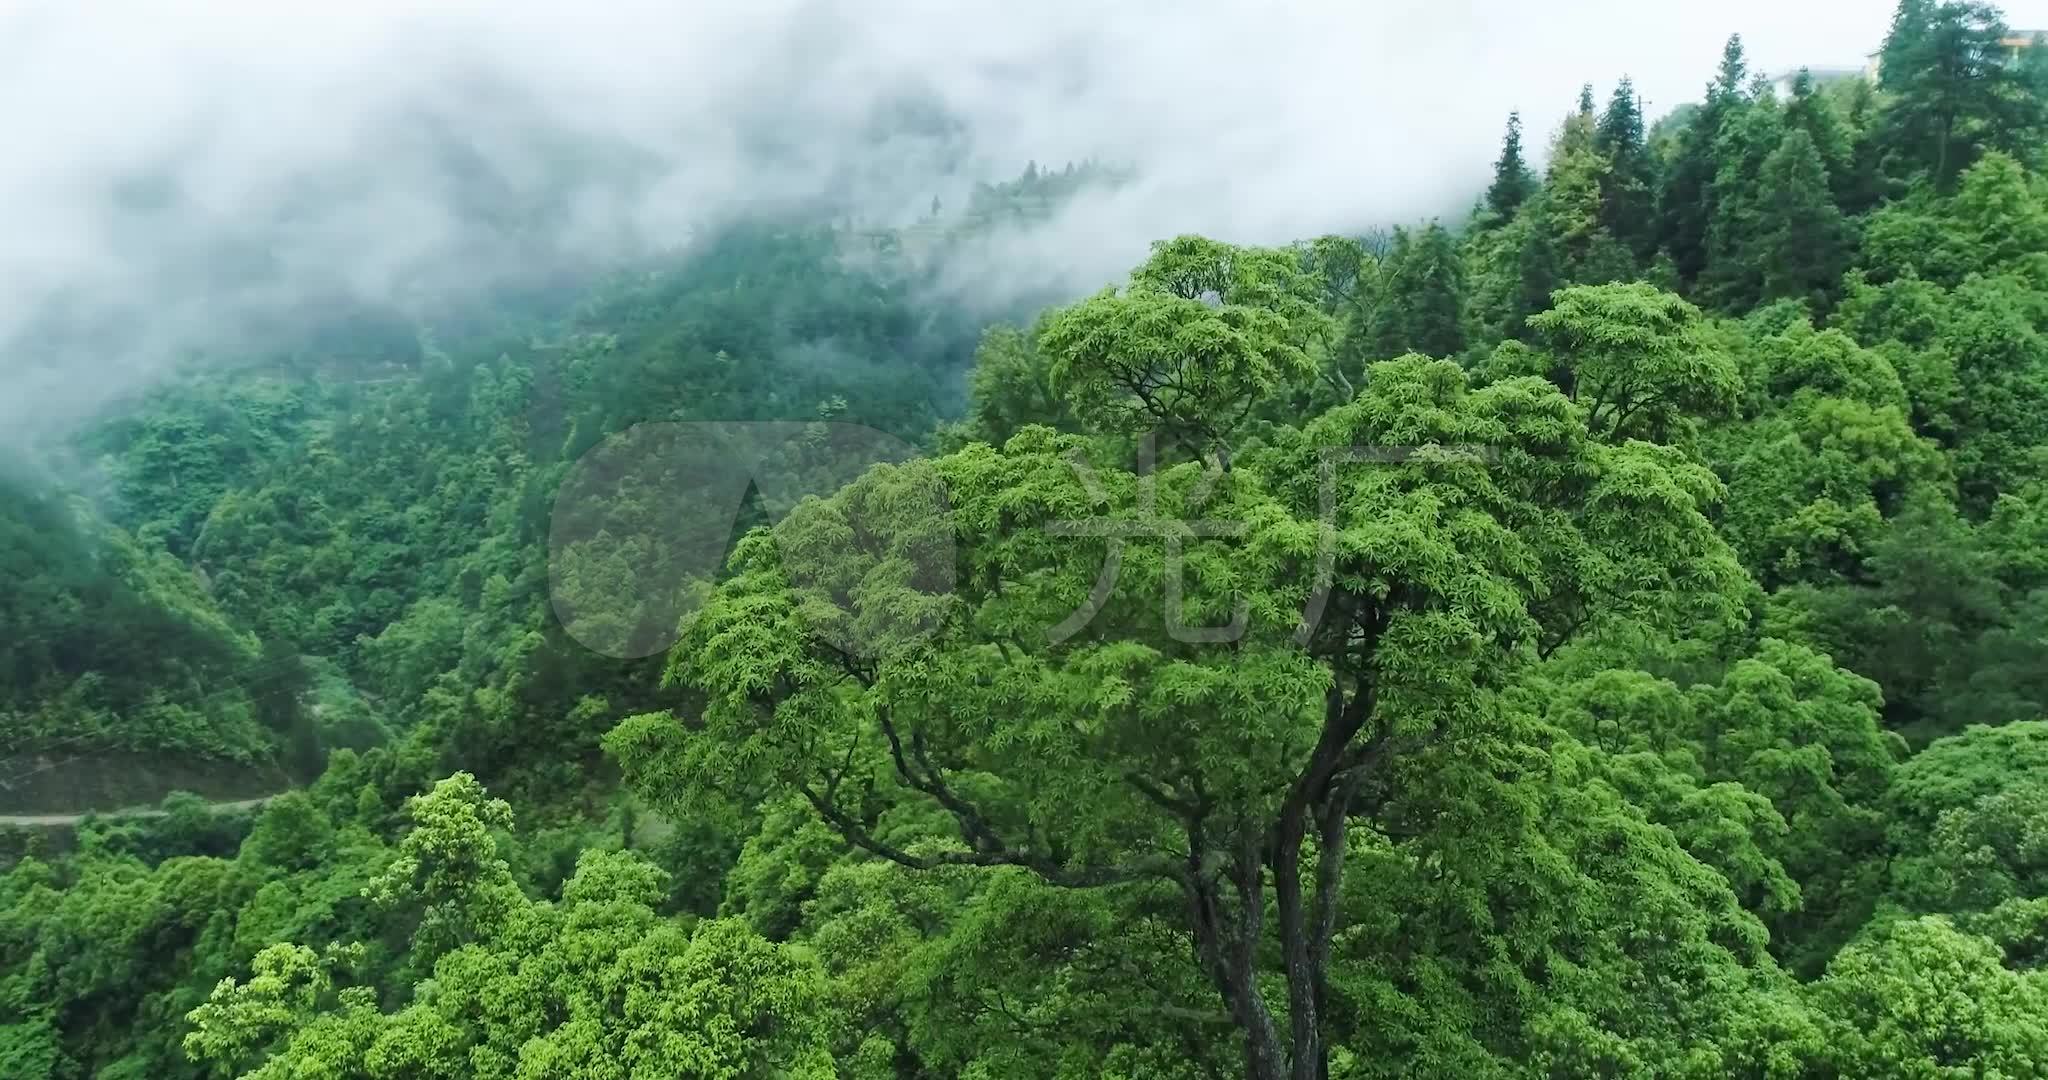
pixel 645 521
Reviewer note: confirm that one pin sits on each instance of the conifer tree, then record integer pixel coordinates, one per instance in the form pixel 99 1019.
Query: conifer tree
pixel 1862 186
pixel 1572 214
pixel 1421 306
pixel 2033 68
pixel 1540 273
pixel 1687 206
pixel 1802 241
pixel 1512 180
pixel 1816 114
pixel 1626 190
pixel 1733 276
pixel 1912 25
pixel 1566 240
pixel 1953 94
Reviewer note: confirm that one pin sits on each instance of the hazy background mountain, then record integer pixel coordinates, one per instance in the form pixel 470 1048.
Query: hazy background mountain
pixel 213 177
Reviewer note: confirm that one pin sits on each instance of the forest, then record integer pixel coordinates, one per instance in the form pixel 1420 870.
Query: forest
pixel 1604 635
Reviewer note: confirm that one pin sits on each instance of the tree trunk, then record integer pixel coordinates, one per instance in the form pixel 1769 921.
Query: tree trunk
pixel 1948 125
pixel 1297 950
pixel 1227 943
pixel 1227 946
pixel 1308 923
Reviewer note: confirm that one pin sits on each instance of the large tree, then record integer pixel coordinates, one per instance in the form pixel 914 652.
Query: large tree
pixel 1800 235
pixel 1628 190
pixel 1953 93
pixel 1686 204
pixel 1512 180
pixel 1336 626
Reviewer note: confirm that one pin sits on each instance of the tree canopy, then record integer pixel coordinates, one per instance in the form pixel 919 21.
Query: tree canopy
pixel 1606 635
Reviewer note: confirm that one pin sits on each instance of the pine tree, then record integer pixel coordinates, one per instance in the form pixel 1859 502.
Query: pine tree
pixel 1733 76
pixel 1733 277
pixel 2033 68
pixel 1912 24
pixel 1619 133
pixel 1802 242
pixel 1439 296
pixel 1953 95
pixel 1815 113
pixel 1571 212
pixel 1626 191
pixel 1573 181
pixel 1539 268
pixel 1512 180
pixel 1863 187
pixel 1687 206
pixel 1421 306
pixel 1586 100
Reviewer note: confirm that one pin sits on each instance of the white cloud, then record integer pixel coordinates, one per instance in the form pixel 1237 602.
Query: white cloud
pixel 300 150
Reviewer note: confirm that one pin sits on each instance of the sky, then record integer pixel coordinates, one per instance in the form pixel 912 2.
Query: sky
pixel 179 170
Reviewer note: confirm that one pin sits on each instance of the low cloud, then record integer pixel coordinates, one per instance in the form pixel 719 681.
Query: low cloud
pixel 186 178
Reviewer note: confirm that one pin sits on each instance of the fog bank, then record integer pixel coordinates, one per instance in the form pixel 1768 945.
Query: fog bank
pixel 177 177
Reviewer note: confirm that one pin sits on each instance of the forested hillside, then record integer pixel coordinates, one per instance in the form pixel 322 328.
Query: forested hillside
pixel 1603 635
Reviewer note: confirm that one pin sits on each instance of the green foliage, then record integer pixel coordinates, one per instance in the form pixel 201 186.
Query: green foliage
pixel 1753 129
pixel 1203 333
pixel 596 983
pixel 1823 458
pixel 1952 93
pixel 1512 180
pixel 1819 116
pixel 106 645
pixel 1963 824
pixel 1011 387
pixel 1512 667
pixel 1996 221
pixel 1419 305
pixel 1635 359
pixel 1922 998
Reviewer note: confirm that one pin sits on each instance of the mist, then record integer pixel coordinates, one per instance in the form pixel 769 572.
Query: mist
pixel 185 181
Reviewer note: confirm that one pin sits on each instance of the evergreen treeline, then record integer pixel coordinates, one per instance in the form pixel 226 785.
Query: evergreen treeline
pixel 1673 703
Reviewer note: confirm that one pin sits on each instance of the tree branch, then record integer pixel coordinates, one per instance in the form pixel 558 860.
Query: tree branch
pixel 1180 806
pixel 1083 877
pixel 974 829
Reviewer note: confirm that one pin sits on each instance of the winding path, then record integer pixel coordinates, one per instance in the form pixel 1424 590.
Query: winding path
pixel 63 821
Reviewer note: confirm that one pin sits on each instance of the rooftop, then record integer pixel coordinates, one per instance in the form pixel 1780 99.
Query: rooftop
pixel 2014 38
pixel 1819 72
